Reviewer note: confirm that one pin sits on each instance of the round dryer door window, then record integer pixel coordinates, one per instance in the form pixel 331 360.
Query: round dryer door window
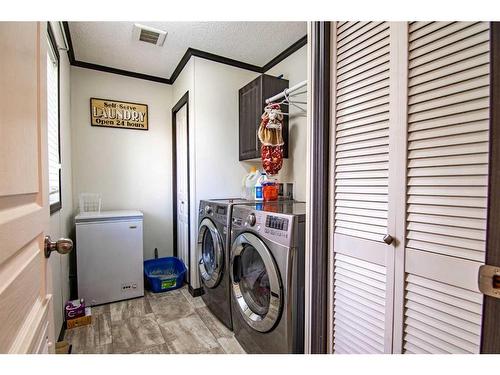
pixel 255 282
pixel 212 253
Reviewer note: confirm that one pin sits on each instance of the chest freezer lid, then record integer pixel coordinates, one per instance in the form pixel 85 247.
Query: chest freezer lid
pixel 86 217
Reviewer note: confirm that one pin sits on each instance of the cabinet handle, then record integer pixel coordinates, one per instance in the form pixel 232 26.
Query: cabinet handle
pixel 133 226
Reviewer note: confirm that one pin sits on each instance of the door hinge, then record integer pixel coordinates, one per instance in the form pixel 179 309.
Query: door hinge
pixel 489 280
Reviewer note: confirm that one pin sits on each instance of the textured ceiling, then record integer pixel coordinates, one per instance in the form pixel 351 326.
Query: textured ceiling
pixel 112 44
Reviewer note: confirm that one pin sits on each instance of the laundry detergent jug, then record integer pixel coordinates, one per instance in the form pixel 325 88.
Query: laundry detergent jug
pixel 249 182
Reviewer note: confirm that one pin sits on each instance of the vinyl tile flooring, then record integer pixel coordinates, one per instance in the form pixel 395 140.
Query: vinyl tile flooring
pixel 164 323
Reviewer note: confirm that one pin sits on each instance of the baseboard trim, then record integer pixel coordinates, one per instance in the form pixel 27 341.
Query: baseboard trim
pixel 62 332
pixel 195 292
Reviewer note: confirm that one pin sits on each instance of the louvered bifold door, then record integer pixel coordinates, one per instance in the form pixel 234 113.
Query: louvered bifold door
pixel 447 159
pixel 362 294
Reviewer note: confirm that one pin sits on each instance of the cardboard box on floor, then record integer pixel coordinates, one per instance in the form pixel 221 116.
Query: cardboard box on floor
pixel 81 321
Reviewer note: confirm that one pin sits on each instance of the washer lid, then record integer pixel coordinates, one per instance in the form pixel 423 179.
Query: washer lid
pixel 108 216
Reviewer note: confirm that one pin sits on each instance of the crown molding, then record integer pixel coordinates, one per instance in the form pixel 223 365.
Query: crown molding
pixel 190 52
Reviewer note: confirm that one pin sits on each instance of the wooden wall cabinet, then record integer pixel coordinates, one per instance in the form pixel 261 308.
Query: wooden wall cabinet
pixel 252 99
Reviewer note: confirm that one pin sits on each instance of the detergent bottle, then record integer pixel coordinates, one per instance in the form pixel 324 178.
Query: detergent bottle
pixel 259 193
pixel 249 183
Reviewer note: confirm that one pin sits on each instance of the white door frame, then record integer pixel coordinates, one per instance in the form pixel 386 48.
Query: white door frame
pixel 184 101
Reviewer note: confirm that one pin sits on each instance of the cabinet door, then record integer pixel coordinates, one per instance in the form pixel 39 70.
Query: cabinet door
pixel 250 110
pixel 363 145
pixel 438 304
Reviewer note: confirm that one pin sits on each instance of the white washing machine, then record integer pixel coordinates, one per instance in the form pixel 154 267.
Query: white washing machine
pixel 109 252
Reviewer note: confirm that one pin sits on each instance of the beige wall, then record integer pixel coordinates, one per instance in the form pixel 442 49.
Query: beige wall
pixel 130 168
pixel 61 222
pixel 294 68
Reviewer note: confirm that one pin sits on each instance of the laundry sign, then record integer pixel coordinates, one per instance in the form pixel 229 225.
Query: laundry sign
pixel 115 114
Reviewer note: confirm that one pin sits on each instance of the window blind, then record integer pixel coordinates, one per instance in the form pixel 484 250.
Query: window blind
pixel 53 127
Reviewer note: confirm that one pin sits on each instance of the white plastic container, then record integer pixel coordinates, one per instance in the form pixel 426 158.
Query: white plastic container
pixel 259 193
pixel 90 202
pixel 249 182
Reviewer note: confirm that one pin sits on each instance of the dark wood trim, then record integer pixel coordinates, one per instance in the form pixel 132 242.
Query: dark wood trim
pixel 212 57
pixel 283 55
pixel 490 335
pixel 190 52
pixel 225 60
pixel 319 196
pixel 71 51
pixel 62 331
pixel 182 101
pixel 127 73
pixel 55 207
pixel 182 63
pixel 195 292
pixel 82 64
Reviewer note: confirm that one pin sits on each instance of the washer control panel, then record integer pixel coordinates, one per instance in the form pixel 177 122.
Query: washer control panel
pixel 273 226
pixel 276 222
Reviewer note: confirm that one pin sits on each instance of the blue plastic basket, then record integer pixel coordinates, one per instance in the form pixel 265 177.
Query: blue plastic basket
pixel 164 274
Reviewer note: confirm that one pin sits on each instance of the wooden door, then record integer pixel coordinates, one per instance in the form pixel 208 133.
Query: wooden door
pixel 364 140
pixel 26 317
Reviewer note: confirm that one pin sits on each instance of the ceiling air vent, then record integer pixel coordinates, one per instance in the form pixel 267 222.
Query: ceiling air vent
pixel 149 35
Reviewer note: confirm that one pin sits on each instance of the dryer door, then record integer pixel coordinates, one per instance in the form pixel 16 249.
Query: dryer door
pixel 256 282
pixel 211 250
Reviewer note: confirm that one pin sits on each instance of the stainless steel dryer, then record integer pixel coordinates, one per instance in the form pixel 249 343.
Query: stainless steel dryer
pixel 213 249
pixel 267 277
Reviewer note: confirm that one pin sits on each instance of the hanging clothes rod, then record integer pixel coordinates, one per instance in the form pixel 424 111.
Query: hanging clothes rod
pixel 286 92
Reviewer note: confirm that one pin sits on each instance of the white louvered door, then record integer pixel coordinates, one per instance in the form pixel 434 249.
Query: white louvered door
pixel 410 159
pixel 448 119
pixel 363 263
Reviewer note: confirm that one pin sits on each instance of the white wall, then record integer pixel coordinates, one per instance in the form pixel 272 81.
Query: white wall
pixel 213 135
pixel 215 169
pixel 294 68
pixel 218 170
pixel 185 83
pixel 61 222
pixel 130 168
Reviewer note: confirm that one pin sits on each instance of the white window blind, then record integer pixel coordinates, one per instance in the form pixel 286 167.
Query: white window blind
pixel 53 127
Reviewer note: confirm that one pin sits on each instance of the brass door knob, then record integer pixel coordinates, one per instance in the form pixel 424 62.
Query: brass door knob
pixel 62 246
pixel 388 239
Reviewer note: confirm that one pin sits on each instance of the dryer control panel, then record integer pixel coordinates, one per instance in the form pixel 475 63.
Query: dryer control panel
pixel 217 212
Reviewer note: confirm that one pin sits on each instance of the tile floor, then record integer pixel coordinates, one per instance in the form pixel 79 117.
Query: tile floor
pixel 172 322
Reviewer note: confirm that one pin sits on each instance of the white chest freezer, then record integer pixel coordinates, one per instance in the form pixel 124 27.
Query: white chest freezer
pixel 109 252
